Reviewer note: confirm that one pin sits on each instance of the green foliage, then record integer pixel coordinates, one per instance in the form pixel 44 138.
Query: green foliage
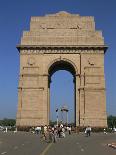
pixel 52 123
pixel 7 122
pixel 111 121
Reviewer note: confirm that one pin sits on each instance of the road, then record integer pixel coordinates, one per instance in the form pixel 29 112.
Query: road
pixel 22 143
pixel 96 144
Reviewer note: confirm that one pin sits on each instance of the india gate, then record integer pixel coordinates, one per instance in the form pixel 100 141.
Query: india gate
pixel 62 41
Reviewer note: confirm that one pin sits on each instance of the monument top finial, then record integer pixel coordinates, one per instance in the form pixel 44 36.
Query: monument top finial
pixel 62 13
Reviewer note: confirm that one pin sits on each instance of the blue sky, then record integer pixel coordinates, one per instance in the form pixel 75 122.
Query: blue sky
pixel 15 17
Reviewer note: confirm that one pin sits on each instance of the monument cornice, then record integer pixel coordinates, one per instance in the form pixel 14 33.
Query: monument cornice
pixel 39 88
pixel 92 88
pixel 62 47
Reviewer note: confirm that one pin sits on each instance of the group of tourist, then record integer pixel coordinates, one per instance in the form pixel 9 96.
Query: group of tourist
pixel 50 134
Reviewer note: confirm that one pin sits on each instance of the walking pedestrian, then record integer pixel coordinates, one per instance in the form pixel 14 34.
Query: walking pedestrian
pixel 55 135
pixel 69 130
pixel 88 131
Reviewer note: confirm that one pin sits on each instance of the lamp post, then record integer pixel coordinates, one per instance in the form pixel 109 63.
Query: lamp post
pixel 66 117
pixel 65 109
pixel 57 116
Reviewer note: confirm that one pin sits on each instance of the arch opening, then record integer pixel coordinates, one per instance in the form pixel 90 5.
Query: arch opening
pixel 61 65
pixel 66 71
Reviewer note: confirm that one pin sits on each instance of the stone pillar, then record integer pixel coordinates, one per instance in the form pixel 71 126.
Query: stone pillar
pixel 48 101
pixel 18 117
pixel 77 111
pixel 45 100
pixel 82 107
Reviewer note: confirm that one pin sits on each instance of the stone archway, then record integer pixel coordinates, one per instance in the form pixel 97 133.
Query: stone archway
pixel 56 41
pixel 68 66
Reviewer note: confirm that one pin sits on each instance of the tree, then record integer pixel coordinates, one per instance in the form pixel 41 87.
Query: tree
pixel 111 121
pixel 7 122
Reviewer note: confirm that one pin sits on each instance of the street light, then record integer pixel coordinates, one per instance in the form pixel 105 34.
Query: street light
pixel 57 115
pixel 65 109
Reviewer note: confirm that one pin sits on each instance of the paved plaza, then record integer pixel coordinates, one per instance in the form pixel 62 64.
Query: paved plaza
pixel 22 143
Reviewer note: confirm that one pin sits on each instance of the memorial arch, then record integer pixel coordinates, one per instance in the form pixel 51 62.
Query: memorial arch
pixel 62 41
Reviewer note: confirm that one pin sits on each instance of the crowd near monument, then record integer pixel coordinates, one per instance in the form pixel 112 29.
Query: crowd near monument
pixel 62 41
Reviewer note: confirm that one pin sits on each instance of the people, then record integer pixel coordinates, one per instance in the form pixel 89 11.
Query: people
pixel 55 135
pixel 105 131
pixel 50 134
pixel 38 129
pixel 59 131
pixel 15 130
pixel 45 131
pixel 61 125
pixel 42 133
pixel 6 129
pixel 62 133
pixel 69 130
pixel 88 131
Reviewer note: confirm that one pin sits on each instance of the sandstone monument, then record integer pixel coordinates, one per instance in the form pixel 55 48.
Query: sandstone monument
pixel 62 41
